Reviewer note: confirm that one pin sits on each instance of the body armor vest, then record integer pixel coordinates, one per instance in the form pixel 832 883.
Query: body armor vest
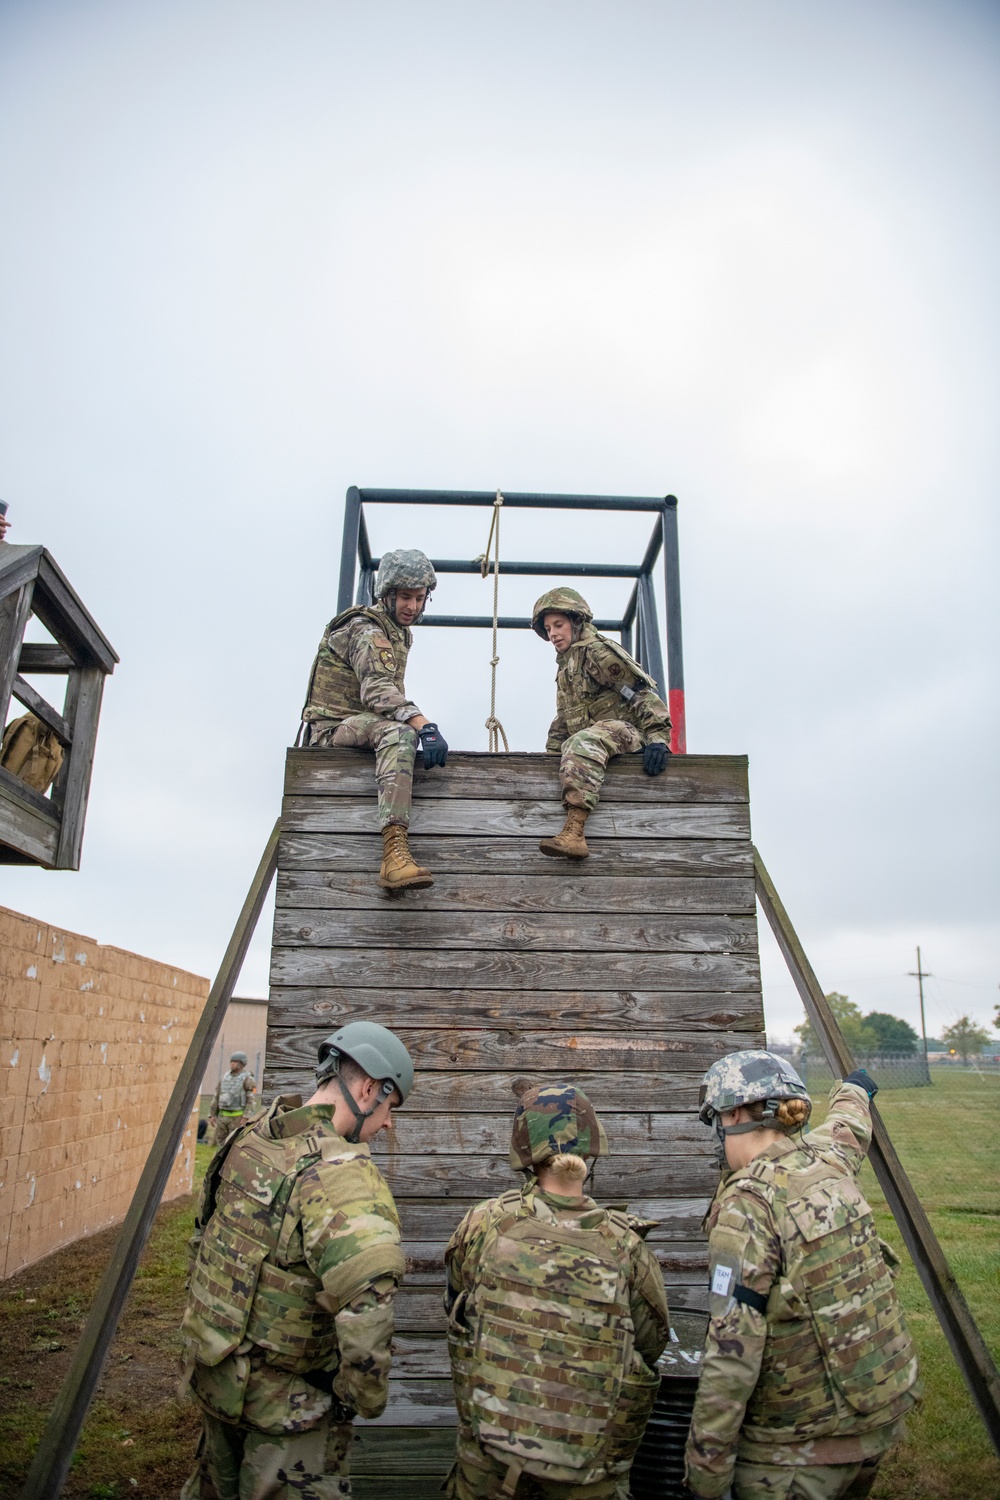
pixel 581 700
pixel 543 1356
pixel 248 1280
pixel 232 1091
pixel 838 1357
pixel 334 691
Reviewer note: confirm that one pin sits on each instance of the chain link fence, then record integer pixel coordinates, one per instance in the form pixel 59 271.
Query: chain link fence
pixel 892 1070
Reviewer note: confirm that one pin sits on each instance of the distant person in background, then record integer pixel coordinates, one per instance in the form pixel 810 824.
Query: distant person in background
pixel 606 705
pixel 231 1100
pixel 808 1369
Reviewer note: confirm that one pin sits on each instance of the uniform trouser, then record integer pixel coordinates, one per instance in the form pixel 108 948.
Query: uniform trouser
pixel 240 1463
pixel 395 747
pixel 224 1126
pixel 477 1476
pixel 810 1482
pixel 585 755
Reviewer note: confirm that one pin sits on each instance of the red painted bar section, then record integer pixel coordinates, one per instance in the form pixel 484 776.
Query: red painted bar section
pixel 678 721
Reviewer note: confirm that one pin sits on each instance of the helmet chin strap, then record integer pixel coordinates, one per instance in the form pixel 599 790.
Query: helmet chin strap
pixel 361 1115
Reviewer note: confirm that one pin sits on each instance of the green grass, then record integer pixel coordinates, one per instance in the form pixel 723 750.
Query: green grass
pixel 948 1140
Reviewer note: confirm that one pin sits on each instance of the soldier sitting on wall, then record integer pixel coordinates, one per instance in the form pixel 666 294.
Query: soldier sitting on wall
pixel 556 1317
pixel 605 705
pixel 357 698
pixel 231 1100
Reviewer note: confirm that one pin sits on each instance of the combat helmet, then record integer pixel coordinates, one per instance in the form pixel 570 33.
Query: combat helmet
pixel 555 1119
pixel 748 1078
pixel 567 602
pixel 405 568
pixel 239 1057
pixel 374 1048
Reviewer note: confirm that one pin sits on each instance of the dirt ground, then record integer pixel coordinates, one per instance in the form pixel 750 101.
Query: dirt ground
pixel 138 1440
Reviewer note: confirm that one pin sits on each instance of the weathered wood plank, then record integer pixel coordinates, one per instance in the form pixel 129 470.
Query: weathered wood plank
pixel 404 1451
pixel 530 1050
pixel 678 1258
pixel 303 889
pixel 520 972
pixel 670 1084
pixel 688 778
pixel 404 1487
pixel 657 1010
pixel 686 1172
pixel 469 854
pixel 567 931
pixel 435 1219
pixel 643 1134
pixel 498 817
pixel 25 828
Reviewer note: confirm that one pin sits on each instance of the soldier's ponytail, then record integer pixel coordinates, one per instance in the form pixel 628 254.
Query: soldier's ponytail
pixel 565 1164
pixel 793 1113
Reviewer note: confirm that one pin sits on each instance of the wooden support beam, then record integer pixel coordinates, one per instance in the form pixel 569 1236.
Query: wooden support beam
pixel 15 609
pixel 42 660
pixel 72 786
pixel 967 1345
pixel 36 704
pixel 58 1442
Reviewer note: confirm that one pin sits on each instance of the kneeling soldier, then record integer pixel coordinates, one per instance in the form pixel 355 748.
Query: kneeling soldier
pixel 808 1368
pixel 357 698
pixel 296 1260
pixel 605 705
pixel 556 1317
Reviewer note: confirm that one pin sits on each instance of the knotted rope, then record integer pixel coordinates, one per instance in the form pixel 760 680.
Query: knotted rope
pixel 494 728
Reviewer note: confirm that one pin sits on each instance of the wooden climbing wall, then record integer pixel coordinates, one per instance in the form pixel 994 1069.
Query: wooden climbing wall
pixel 628 973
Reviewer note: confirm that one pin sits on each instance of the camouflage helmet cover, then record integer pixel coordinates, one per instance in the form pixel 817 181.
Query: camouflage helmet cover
pixel 744 1078
pixel 555 1119
pixel 566 602
pixel 405 568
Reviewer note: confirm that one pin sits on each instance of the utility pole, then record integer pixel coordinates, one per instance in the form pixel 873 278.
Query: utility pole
pixel 920 974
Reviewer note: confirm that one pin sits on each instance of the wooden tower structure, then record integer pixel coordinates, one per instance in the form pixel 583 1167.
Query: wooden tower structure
pixel 628 973
pixel 36 829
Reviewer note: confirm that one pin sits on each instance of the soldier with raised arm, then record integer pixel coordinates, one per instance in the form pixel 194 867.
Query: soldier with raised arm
pixel 606 705
pixel 808 1369
pixel 357 697
pixel 295 1262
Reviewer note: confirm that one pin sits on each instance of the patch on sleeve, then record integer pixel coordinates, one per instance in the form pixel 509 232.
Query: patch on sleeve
pixel 380 640
pixel 387 659
pixel 721 1278
pixel 723 1274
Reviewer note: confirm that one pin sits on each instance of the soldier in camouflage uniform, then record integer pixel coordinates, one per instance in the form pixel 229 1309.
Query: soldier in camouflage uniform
pixel 556 1316
pixel 232 1099
pixel 357 698
pixel 808 1369
pixel 606 705
pixel 295 1262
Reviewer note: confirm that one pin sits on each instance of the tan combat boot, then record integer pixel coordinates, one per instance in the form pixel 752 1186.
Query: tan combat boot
pixel 570 842
pixel 399 869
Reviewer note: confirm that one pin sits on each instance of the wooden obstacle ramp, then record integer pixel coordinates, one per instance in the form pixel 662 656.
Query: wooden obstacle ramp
pixel 628 973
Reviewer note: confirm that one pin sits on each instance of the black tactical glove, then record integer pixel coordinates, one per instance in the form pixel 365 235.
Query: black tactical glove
pixel 654 757
pixel 339 1412
pixel 864 1081
pixel 434 745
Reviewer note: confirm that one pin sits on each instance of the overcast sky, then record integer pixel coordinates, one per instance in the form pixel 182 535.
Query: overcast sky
pixel 743 251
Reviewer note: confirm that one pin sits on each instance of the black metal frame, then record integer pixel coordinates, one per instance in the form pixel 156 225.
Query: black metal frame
pixel 639 626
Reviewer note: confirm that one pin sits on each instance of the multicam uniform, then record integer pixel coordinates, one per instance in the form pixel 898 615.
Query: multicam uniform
pixel 357 698
pixel 231 1102
pixel 593 720
pixel 808 1367
pixel 572 1291
pixel 289 1318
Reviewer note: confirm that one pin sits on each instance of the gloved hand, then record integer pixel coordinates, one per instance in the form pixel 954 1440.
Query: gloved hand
pixel 654 758
pixel 434 745
pixel 340 1412
pixel 864 1081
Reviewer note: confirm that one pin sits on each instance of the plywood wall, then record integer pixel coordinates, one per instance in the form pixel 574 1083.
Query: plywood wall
pixel 627 974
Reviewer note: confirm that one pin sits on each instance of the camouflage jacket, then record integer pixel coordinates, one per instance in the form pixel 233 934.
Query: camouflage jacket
pixel 807 1359
pixel 359 668
pixel 540 1389
pixel 295 1259
pixel 590 675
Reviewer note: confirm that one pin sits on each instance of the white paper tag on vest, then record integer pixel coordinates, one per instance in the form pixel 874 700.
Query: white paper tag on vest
pixel 721 1279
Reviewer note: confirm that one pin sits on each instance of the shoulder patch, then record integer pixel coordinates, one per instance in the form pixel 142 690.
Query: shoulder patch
pixel 381 640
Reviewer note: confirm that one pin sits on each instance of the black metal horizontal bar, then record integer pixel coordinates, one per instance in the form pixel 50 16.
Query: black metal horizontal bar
pixel 504 622
pixel 536 570
pixel 517 501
